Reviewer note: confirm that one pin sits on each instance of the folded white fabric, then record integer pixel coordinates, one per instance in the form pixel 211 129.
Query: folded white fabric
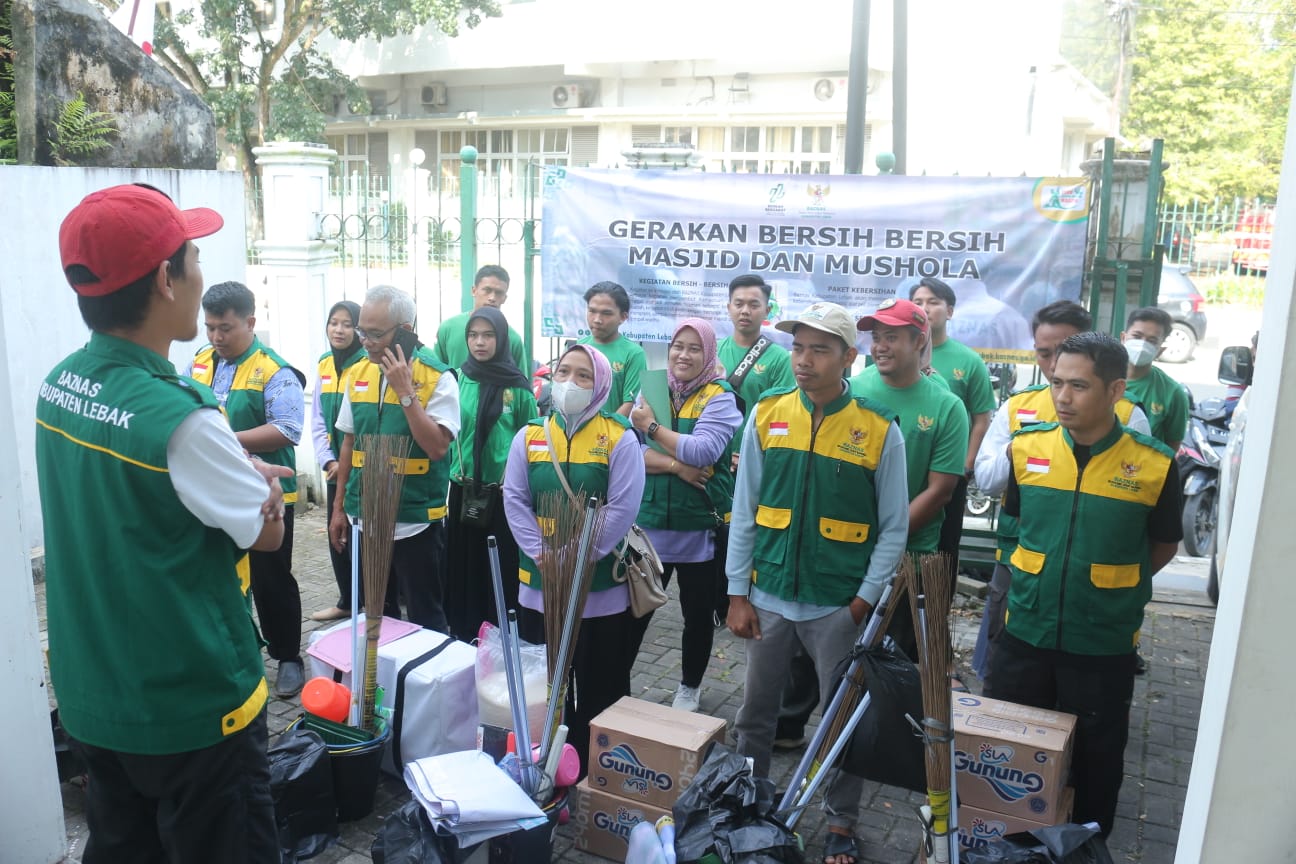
pixel 467 787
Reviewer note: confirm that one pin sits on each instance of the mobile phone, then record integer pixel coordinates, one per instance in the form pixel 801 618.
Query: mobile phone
pixel 408 341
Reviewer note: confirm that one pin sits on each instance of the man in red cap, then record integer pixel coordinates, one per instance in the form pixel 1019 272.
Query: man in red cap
pixel 149 505
pixel 933 420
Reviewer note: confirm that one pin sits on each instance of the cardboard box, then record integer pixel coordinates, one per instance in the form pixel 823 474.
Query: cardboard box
pixel 978 828
pixel 603 822
pixel 1011 759
pixel 648 753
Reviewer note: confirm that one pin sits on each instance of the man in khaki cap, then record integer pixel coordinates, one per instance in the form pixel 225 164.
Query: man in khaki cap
pixel 821 497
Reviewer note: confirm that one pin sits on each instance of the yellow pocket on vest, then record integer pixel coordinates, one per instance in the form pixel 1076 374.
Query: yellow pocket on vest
pixel 844 532
pixel 1027 561
pixel 1114 575
pixel 773 517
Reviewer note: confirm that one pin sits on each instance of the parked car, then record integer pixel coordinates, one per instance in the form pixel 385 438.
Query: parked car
pixel 1180 297
pixel 1236 367
pixel 1178 241
pixel 1252 239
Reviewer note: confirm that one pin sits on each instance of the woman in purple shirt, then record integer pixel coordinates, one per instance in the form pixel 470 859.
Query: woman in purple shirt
pixel 689 491
pixel 577 425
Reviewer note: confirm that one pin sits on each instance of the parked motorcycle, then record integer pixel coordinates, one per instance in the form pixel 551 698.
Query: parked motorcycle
pixel 1199 465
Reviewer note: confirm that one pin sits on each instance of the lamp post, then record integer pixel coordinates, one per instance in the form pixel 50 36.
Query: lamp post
pixel 416 158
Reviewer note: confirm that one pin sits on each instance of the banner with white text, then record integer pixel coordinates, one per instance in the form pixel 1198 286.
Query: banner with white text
pixel 675 239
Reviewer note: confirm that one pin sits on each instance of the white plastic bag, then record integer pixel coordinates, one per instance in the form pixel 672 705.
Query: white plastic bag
pixel 645 847
pixel 493 703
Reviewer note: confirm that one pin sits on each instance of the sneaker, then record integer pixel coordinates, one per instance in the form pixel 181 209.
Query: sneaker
pixel 687 698
pixel 290 678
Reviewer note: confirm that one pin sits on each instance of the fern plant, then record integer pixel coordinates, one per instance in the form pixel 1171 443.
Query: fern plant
pixel 8 121
pixel 80 132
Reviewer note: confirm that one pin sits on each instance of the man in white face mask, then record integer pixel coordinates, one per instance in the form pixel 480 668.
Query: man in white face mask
pixel 1161 397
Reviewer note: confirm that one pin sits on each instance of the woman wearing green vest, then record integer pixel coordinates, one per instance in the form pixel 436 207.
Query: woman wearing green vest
pixel 495 402
pixel 344 350
pixel 599 455
pixel 689 489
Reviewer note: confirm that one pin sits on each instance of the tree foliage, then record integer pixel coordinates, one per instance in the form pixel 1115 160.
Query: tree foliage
pixel 1211 78
pixel 8 120
pixel 268 80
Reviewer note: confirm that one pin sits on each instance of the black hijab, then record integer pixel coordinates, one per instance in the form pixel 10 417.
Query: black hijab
pixel 343 356
pixel 493 376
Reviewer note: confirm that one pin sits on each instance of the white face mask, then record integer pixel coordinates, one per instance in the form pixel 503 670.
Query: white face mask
pixel 569 398
pixel 1141 352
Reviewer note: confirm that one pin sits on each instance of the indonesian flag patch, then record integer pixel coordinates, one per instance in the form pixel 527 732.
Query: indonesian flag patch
pixel 1039 466
pixel 326 380
pixel 777 427
pixel 362 386
pixel 200 369
pixel 1027 415
pixel 538 447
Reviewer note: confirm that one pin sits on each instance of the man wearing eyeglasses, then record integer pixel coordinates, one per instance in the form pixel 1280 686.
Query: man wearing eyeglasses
pixel 400 388
pixel 262 396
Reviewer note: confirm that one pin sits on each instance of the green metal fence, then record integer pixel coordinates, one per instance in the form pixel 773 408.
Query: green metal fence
pixel 1219 236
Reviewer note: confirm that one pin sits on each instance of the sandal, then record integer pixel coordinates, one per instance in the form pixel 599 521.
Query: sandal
pixel 841 844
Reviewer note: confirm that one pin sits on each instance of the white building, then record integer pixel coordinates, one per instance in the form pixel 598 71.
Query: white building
pixel 754 86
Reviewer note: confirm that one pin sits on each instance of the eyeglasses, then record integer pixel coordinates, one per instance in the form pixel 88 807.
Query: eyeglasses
pixel 373 335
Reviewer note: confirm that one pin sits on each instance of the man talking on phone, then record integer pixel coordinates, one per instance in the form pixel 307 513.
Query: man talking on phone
pixel 400 388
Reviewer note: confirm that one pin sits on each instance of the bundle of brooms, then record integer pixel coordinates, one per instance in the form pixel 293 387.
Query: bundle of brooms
pixel 381 482
pixel 563 519
pixel 930 591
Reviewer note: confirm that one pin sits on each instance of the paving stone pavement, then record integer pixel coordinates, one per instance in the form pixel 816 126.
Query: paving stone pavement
pixel 1163 726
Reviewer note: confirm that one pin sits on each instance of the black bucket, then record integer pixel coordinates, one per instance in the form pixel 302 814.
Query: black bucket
pixel 534 845
pixel 355 756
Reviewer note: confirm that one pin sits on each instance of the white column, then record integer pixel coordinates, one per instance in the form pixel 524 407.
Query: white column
pixel 31 809
pixel 1241 795
pixel 293 303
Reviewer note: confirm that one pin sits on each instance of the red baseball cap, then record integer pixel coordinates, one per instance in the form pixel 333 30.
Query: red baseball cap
pixel 123 233
pixel 895 313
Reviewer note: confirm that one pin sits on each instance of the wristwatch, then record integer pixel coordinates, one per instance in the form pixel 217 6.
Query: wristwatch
pixel 652 429
pixel 407 401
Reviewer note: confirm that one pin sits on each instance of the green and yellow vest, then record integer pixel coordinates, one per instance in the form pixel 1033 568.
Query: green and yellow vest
pixel 669 502
pixel 817 517
pixel 151 640
pixel 427 481
pixel 585 459
pixel 1027 407
pixel 1081 570
pixel 332 387
pixel 245 404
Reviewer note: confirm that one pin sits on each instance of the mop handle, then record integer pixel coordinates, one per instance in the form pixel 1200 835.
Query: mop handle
pixel 839 695
pixel 497 581
pixel 953 817
pixel 574 610
pixel 357 652
pixel 517 694
pixel 808 793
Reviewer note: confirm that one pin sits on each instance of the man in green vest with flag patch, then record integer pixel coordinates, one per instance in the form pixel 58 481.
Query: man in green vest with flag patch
pixel 400 388
pixel 148 503
pixel 1097 509
pixel 262 396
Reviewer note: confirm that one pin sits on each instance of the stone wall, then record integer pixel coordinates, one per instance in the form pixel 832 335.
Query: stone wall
pixel 65 47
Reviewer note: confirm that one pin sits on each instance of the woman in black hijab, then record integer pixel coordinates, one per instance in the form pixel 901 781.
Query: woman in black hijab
pixel 344 350
pixel 495 401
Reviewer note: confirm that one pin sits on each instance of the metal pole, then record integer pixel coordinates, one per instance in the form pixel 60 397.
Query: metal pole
pixel 857 88
pixel 1151 276
pixel 529 254
pixel 900 87
pixel 467 225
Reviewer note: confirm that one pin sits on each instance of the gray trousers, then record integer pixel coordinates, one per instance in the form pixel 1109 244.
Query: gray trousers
pixel 992 619
pixel 826 640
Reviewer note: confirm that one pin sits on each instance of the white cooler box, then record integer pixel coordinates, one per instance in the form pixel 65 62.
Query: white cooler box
pixel 429 681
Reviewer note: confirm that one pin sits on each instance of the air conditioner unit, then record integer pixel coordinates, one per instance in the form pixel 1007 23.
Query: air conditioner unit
pixel 569 96
pixel 433 94
pixel 830 89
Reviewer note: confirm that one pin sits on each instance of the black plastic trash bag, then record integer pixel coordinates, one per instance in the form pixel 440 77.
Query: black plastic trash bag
pixel 885 747
pixel 301 781
pixel 407 837
pixel 731 813
pixel 1059 844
